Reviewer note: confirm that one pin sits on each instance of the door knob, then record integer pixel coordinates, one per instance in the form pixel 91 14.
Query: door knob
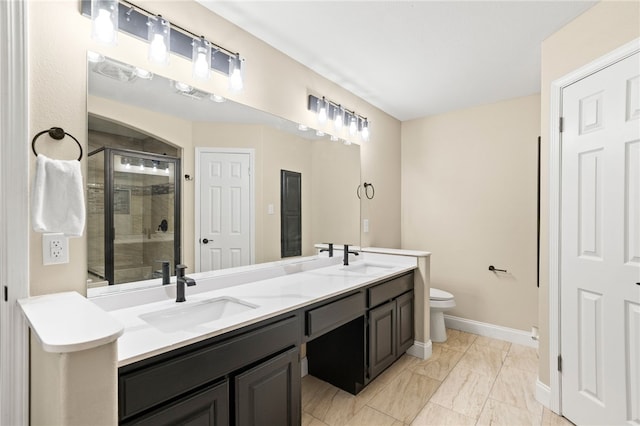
pixel 205 241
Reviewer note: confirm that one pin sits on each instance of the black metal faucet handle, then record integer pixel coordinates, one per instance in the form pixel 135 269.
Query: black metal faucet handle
pixel 180 270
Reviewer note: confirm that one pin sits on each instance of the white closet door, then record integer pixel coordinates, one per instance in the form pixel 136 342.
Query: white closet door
pixel 600 247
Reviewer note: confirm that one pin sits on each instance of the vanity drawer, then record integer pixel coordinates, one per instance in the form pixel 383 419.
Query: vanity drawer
pixel 151 385
pixel 390 289
pixel 326 318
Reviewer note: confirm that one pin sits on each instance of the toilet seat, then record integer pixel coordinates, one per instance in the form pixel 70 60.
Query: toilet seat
pixel 437 294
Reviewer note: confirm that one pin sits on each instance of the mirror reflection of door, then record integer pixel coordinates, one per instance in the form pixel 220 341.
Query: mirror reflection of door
pixel 291 216
pixel 226 209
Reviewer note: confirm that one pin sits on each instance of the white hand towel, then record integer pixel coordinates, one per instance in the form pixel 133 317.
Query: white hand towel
pixel 57 203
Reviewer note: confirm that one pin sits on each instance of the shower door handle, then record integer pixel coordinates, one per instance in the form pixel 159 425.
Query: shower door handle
pixel 205 241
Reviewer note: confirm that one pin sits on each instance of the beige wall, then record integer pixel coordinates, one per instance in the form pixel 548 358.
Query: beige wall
pixel 603 28
pixel 273 82
pixel 469 197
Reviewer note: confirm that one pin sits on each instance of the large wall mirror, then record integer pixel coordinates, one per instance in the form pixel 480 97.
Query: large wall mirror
pixel 180 175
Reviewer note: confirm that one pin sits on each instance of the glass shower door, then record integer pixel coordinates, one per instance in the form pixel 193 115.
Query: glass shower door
pixel 133 215
pixel 144 216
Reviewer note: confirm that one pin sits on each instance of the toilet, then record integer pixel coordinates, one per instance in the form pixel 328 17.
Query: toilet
pixel 439 301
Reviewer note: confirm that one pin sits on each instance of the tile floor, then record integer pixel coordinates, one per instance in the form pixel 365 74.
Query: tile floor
pixel 469 380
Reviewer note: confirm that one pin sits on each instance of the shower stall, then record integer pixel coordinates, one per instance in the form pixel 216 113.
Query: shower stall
pixel 133 214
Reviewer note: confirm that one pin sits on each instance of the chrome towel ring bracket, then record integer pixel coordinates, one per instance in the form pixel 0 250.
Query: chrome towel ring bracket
pixel 367 193
pixel 56 133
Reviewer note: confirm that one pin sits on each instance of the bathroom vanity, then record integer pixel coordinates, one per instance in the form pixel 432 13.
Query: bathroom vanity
pixel 252 375
pixel 242 365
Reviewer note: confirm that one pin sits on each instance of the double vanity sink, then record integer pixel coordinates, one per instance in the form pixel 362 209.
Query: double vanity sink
pixel 230 354
pixel 188 315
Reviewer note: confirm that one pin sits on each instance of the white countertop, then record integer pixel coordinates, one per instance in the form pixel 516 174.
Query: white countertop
pixel 68 322
pixel 272 296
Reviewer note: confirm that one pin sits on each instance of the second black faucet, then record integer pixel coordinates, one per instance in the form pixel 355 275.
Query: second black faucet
pixel 346 252
pixel 181 281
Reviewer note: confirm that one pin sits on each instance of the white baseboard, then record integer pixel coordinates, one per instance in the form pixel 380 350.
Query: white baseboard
pixel 489 330
pixel 304 367
pixel 420 349
pixel 543 393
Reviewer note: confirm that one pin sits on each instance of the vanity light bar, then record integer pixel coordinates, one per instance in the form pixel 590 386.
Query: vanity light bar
pixel 133 20
pixel 333 109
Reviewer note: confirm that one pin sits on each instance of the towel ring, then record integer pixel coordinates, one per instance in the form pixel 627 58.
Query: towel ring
pixel 366 191
pixel 56 133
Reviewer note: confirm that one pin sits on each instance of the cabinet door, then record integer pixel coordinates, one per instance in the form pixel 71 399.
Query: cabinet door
pixel 208 407
pixel 269 394
pixel 382 337
pixel 404 306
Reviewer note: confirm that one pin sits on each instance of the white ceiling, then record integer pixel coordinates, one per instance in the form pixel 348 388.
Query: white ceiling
pixel 411 59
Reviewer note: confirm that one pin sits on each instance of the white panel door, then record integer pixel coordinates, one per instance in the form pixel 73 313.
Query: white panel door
pixel 225 210
pixel 600 247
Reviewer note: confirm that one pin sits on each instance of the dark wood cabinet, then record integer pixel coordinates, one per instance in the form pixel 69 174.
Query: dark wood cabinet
pixel 269 394
pixel 404 312
pixel 383 349
pixel 209 406
pixel 191 385
pixel 391 330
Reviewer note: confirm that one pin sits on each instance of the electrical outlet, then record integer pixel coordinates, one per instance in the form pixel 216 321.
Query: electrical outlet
pixel 55 249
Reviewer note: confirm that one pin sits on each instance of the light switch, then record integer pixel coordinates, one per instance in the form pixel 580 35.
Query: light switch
pixel 270 209
pixel 365 225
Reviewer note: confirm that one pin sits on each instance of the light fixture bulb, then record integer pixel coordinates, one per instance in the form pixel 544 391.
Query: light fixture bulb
pixel 338 120
pixel 302 127
pixel 157 49
pixel 235 73
pixel 365 130
pixel 127 165
pixel 159 36
pixel 201 58
pixel 201 67
pixel 319 133
pixel 167 169
pixel 104 21
pixel 321 107
pixel 334 138
pixel 141 166
pixel 353 125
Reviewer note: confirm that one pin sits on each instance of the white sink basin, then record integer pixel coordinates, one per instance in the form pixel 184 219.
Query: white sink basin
pixel 186 316
pixel 367 268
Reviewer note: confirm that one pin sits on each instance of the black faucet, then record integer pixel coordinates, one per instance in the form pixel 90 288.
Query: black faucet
pixel 330 249
pixel 181 280
pixel 166 276
pixel 346 252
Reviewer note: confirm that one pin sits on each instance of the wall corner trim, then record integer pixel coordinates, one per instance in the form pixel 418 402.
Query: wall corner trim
pixel 543 393
pixel 490 330
pixel 420 349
